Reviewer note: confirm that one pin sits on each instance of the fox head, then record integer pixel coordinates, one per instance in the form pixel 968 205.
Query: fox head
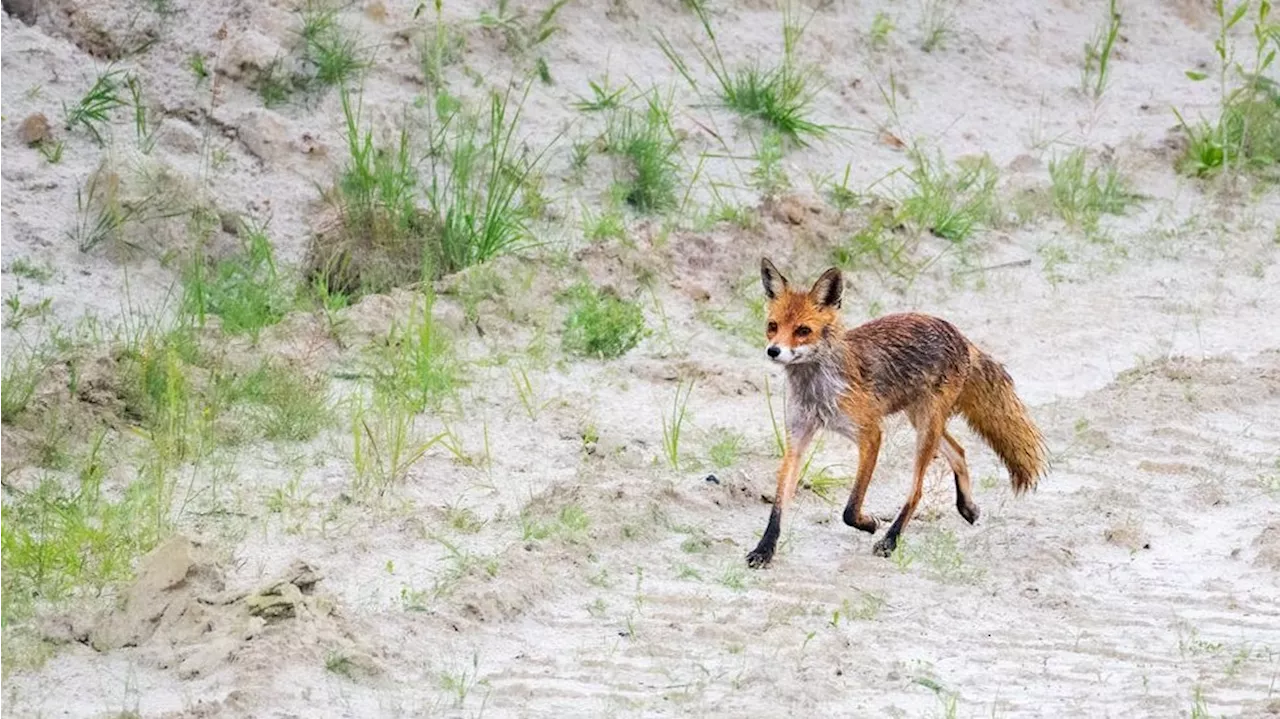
pixel 799 322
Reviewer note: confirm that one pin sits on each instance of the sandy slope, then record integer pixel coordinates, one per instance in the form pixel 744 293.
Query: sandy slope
pixel 1144 572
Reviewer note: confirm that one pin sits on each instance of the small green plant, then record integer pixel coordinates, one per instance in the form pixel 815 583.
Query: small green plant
pixel 41 273
pixel 519 31
pixel 284 403
pixel 724 452
pixel 881 26
pixel 93 111
pixel 21 375
pixel 1082 195
pixel 648 146
pixel 337 662
pixel 950 204
pixel 673 424
pixel 441 46
pixel 416 364
pixel 1097 53
pixel 603 97
pixel 51 150
pixel 245 290
pixel 768 176
pixel 329 52
pixel 526 392
pixel 937 23
pixel 101 212
pixel 479 190
pixel 781 96
pixel 380 238
pixel 600 324
pixel 384 443
pixel 1246 133
pixel 610 224
pixel 196 63
pixel 145 133
pixel 275 83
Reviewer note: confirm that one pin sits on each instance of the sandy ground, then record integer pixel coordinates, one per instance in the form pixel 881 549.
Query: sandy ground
pixel 1141 579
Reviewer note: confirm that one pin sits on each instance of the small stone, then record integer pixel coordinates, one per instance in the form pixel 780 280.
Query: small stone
pixel 35 129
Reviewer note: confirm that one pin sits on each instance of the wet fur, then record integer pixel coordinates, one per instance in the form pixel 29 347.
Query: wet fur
pixel 848 381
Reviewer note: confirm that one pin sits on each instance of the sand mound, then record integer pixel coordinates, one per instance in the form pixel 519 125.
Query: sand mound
pixel 179 611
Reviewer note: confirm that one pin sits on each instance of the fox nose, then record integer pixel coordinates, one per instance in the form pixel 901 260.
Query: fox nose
pixel 774 351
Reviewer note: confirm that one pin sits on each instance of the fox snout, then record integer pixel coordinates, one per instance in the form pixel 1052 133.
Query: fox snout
pixel 786 355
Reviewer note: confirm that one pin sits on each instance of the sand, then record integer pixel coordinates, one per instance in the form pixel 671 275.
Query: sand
pixel 1142 578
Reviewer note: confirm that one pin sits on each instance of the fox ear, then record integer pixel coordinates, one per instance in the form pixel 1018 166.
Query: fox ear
pixel 829 289
pixel 773 281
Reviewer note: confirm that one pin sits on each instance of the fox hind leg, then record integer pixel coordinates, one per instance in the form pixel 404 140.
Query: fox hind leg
pixel 954 454
pixel 928 434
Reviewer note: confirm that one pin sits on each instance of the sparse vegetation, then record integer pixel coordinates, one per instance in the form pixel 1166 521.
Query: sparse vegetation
pixel 1082 195
pixel 949 203
pixel 600 324
pixel 245 290
pixel 673 424
pixel 1246 133
pixel 1096 71
pixel 781 96
pixel 93 111
pixel 936 23
pixel 648 147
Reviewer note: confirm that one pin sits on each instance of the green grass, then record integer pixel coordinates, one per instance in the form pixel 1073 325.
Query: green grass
pixel 482 186
pixel 601 325
pixel 331 55
pixel 284 403
pixel 93 111
pixel 949 203
pixel 441 47
pixel 417 364
pixel 21 375
pixel 1096 71
pixel 520 31
pixel 26 269
pixel 381 238
pixel 769 177
pixel 1082 195
pixel 603 97
pixel 196 63
pixel 673 424
pixel 66 539
pixel 245 290
pixel 1246 133
pixel 385 444
pixel 781 94
pixel 608 224
pixel 936 23
pixel 648 147
pixel 881 26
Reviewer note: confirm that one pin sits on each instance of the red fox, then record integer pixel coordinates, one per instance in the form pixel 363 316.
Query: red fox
pixel 848 381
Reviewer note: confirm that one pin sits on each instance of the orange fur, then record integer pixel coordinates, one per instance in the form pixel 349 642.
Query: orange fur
pixel 850 380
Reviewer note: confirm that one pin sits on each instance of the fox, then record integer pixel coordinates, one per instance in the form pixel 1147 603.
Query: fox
pixel 848 381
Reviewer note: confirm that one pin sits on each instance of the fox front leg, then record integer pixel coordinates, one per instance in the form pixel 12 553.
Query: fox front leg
pixel 788 473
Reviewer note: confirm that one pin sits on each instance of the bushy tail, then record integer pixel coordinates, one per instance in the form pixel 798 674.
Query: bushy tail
pixel 993 411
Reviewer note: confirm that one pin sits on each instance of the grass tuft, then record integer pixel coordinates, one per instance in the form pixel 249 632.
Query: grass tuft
pixel 1082 195
pixel 648 146
pixel 601 325
pixel 949 203
pixel 780 95
pixel 245 290
pixel 93 111
pixel 1096 71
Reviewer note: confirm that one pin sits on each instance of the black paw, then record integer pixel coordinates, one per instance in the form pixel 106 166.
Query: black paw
pixel 885 547
pixel 969 512
pixel 868 523
pixel 759 558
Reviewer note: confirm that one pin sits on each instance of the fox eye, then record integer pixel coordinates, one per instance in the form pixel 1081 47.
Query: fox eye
pixel 803 331
pixel 772 327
